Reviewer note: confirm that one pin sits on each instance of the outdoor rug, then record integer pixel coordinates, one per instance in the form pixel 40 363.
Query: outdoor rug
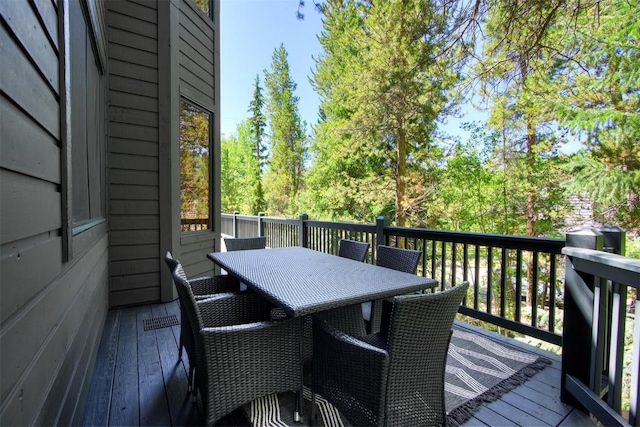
pixel 479 370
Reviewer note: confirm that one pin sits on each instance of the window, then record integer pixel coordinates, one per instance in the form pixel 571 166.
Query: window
pixel 87 123
pixel 205 6
pixel 195 143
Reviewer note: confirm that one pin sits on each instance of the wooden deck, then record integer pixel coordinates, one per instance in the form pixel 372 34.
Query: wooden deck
pixel 137 380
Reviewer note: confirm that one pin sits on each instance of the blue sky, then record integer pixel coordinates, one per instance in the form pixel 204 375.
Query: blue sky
pixel 251 30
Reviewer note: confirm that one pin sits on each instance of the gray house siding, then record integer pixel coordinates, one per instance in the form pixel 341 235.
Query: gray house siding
pixel 89 179
pixel 158 52
pixel 53 282
pixel 197 76
pixel 134 215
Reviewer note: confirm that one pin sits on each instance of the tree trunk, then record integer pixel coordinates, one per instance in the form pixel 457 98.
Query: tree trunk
pixel 401 171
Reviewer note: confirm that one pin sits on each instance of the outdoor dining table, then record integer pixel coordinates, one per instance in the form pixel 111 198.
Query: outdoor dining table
pixel 302 281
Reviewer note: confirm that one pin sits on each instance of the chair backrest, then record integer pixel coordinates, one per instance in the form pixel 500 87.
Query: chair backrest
pixel 405 260
pixel 418 343
pixel 185 293
pixel 171 261
pixel 353 250
pixel 245 243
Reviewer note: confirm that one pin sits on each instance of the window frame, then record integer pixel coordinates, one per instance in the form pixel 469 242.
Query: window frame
pixel 210 201
pixel 78 236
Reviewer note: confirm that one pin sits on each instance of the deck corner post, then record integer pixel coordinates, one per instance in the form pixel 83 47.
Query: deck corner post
pixel 261 216
pixel 578 314
pixel 303 230
pixel 380 224
pixel 614 239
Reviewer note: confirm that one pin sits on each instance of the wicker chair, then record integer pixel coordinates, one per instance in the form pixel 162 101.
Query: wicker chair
pixel 201 287
pixel 240 355
pixel 393 378
pixel 353 250
pixel 405 260
pixel 245 243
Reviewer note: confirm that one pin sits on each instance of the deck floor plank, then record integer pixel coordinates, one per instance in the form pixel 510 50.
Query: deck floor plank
pixel 149 382
pixel 533 408
pixel 517 416
pixel 489 417
pixel 99 397
pixel 153 403
pixel 173 371
pixel 544 395
pixel 124 409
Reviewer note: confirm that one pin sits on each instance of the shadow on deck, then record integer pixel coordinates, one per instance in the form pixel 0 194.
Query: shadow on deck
pixel 138 380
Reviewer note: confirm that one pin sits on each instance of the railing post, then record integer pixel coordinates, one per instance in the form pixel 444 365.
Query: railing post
pixel 614 241
pixel 260 224
pixel 235 224
pixel 380 223
pixel 578 315
pixel 303 230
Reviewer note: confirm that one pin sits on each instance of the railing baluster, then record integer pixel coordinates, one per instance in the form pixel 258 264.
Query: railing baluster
pixel 476 288
pixel 552 292
pixel 443 265
pixel 534 287
pixel 634 398
pixel 489 278
pixel 433 259
pixel 518 285
pixel 503 280
pixel 454 261
pixel 616 356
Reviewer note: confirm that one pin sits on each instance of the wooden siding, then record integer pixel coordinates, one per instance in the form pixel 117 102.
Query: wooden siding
pixel 51 312
pixel 144 85
pixel 133 152
pixel 196 56
pixel 197 83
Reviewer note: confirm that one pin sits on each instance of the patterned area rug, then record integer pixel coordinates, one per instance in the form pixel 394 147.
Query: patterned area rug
pixel 479 370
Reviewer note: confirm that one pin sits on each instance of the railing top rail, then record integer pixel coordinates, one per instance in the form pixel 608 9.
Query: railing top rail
pixel 280 220
pixel 247 217
pixel 610 266
pixel 540 244
pixel 349 226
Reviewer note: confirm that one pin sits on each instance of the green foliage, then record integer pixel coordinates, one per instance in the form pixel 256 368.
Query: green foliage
pixel 383 83
pixel 239 181
pixel 258 124
pixel 194 161
pixel 287 139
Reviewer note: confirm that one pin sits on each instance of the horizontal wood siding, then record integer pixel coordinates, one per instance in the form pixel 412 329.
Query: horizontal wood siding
pixel 197 77
pixel 197 56
pixel 133 152
pixel 194 248
pixel 51 312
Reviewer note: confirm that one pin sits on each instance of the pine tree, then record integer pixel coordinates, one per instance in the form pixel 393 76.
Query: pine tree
pixel 384 81
pixel 258 124
pixel 288 142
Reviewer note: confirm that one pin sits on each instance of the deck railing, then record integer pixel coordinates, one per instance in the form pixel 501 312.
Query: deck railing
pixel 595 368
pixel 498 267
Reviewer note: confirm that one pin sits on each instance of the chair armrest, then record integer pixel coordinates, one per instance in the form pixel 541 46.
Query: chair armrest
pixel 265 355
pixel 357 369
pixel 214 285
pixel 347 319
pixel 232 309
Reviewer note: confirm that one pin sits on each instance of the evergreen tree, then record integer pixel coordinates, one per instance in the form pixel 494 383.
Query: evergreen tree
pixel 384 82
pixel 238 167
pixel 258 125
pixel 288 142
